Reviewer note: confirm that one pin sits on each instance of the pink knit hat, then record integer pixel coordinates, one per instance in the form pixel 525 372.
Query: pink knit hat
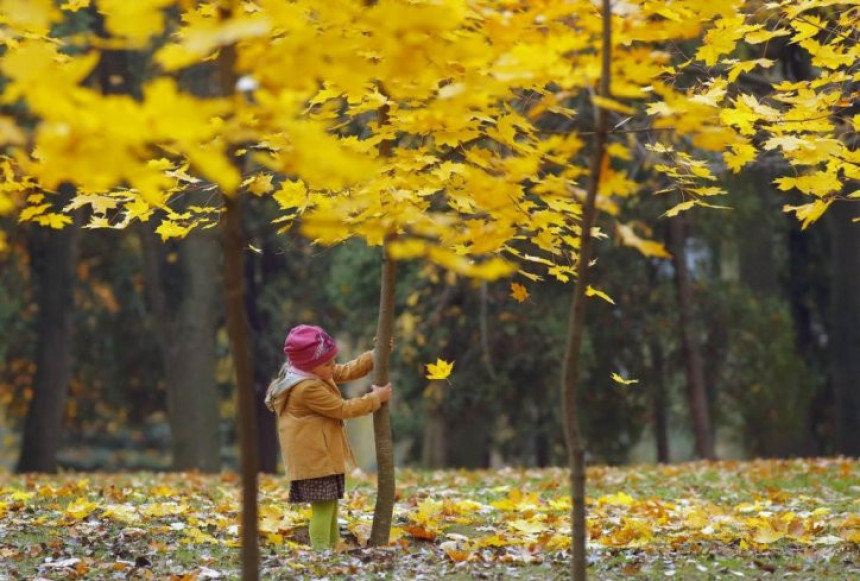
pixel 308 346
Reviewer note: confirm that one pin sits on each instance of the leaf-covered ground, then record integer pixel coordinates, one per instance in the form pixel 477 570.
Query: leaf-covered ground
pixel 756 520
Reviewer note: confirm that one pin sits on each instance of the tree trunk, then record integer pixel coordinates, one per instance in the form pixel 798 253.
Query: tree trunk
pixel 384 508
pixel 661 424
pixel 185 333
pixel 845 325
pixel 576 326
pixel 263 368
pixel 433 455
pixel 240 344
pixel 192 393
pixel 54 272
pixel 696 394
pixel 757 256
pixel 237 330
pixel 186 338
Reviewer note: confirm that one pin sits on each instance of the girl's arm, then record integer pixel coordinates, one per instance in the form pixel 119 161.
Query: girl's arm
pixel 320 399
pixel 358 367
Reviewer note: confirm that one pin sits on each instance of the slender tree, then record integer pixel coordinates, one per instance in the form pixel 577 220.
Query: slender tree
pixel 576 325
pixel 384 507
pixel 240 344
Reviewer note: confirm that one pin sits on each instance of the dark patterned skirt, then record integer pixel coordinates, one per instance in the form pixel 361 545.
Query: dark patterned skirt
pixel 317 489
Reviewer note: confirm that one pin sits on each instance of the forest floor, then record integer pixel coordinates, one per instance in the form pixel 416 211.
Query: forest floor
pixel 752 520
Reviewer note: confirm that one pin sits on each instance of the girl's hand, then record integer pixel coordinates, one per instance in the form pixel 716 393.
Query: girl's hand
pixel 383 392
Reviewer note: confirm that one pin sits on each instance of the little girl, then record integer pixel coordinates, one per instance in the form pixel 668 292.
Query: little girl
pixel 310 412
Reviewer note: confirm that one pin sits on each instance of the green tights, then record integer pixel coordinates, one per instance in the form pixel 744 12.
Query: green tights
pixel 323 527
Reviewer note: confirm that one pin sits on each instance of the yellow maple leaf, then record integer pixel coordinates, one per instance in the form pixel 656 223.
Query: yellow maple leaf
pixel 259 184
pixel 35 15
pixel 137 208
pixel 80 508
pixel 612 105
pixel 592 292
pixel 739 156
pixel 519 292
pixel 293 194
pixel 54 220
pixel 121 512
pixel 759 36
pixel 678 208
pixel 746 66
pixel 767 535
pixel 529 527
pixel 619 499
pixel 808 213
pixel 721 39
pixel 74 5
pixel 169 229
pixel 30 212
pixel 439 370
pixel 137 20
pixel 646 247
pixel 618 379
pixel 491 541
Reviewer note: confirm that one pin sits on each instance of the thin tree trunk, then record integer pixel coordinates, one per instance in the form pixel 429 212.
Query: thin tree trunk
pixel 845 326
pixel 384 508
pixel 240 344
pixel 237 330
pixel 54 270
pixel 696 394
pixel 576 326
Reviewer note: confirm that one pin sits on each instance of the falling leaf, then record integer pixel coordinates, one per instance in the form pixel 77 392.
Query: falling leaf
pixel 519 292
pixel 591 292
pixel 439 370
pixel 618 379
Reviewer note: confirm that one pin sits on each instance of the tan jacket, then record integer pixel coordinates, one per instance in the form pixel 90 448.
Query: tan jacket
pixel 310 421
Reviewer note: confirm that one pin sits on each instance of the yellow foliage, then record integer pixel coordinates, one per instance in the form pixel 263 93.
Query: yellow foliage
pixel 136 21
pixel 426 119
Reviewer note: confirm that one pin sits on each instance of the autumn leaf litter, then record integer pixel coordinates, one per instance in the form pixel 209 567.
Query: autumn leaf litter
pixel 756 519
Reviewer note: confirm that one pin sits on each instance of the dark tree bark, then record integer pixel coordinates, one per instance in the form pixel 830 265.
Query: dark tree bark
pixel 576 326
pixel 54 256
pixel 240 342
pixel 263 368
pixel 384 508
pixel 845 325
pixel 697 396
pixel 661 423
pixel 185 330
pixel 433 451
pixel 237 330
pixel 757 257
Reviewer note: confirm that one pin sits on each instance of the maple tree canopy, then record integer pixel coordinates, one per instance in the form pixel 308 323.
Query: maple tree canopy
pixel 462 126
